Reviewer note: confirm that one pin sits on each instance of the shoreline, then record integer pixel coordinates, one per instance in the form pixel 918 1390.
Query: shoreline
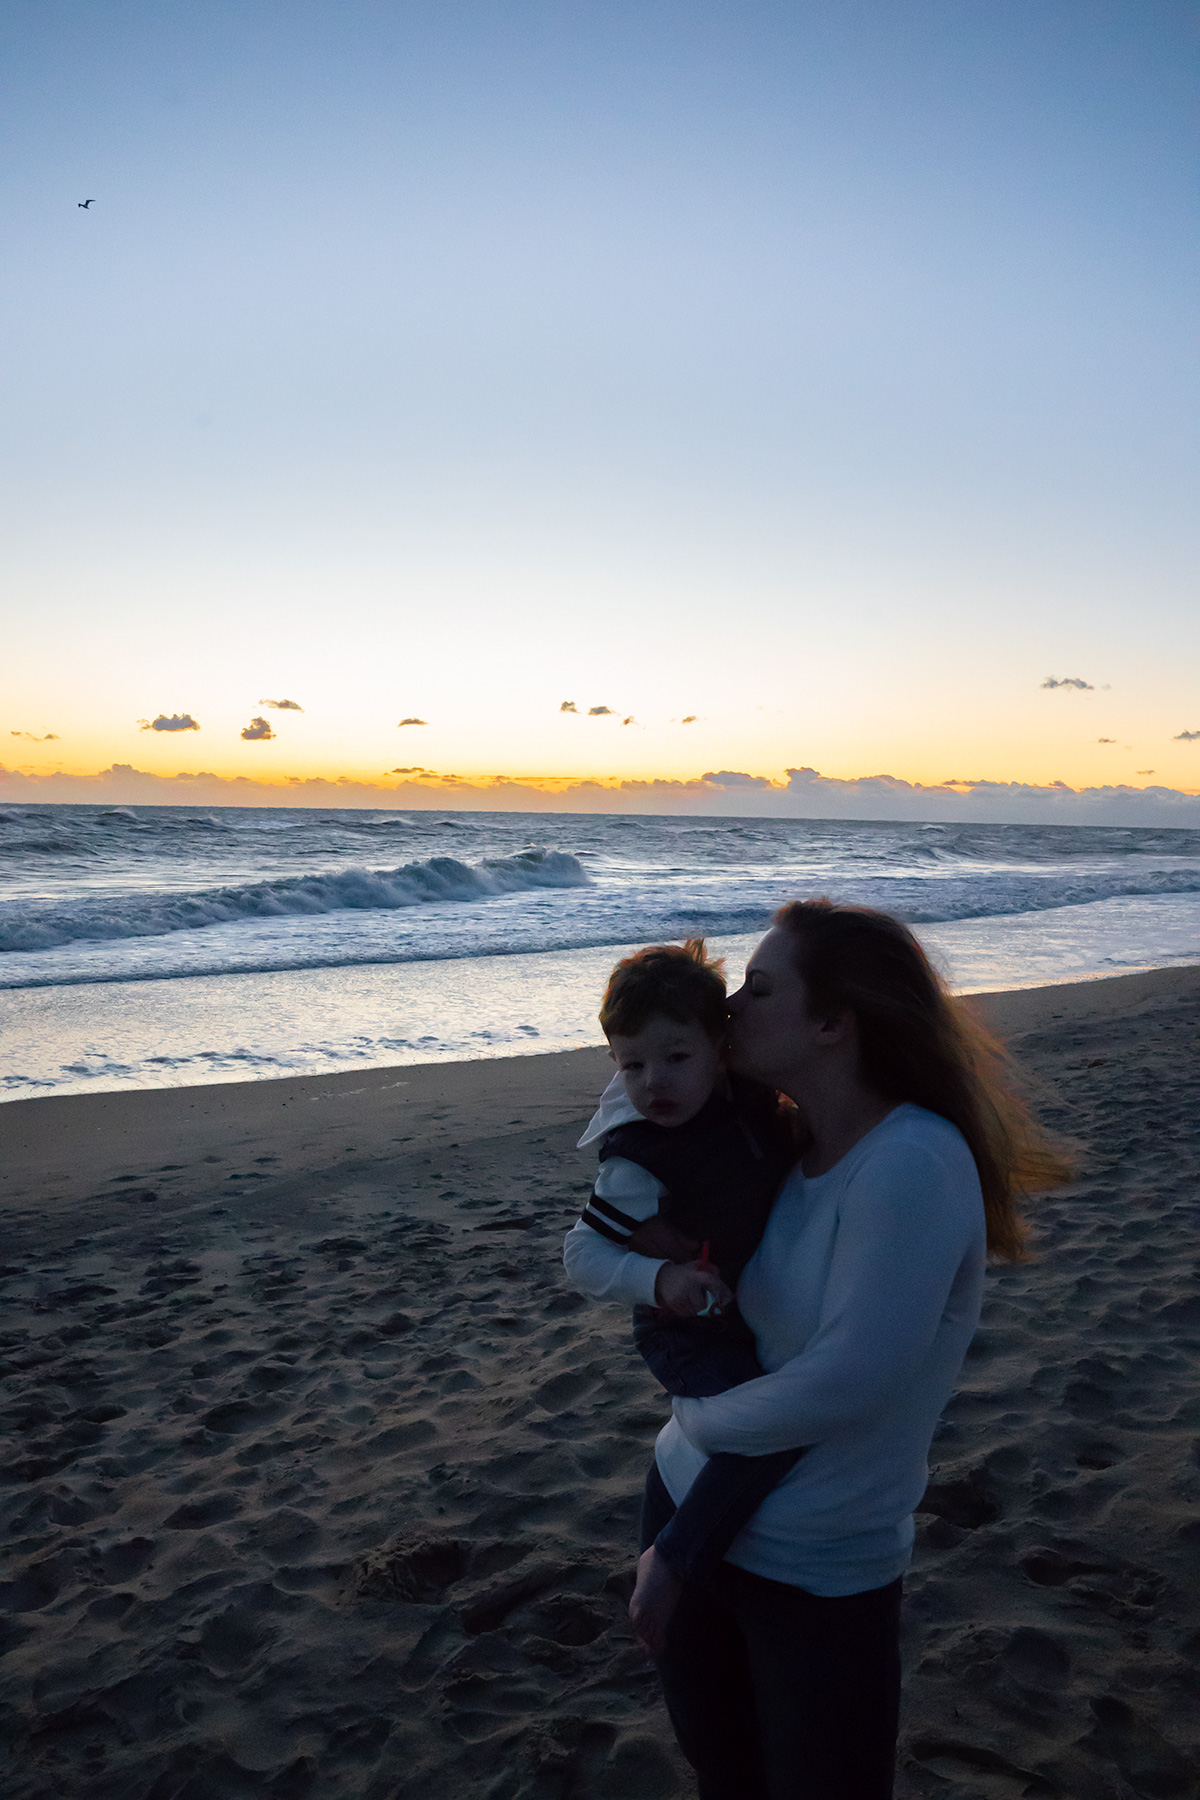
pixel 187 1029
pixel 136 1139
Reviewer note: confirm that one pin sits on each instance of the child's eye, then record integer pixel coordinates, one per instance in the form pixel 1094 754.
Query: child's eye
pixel 680 1056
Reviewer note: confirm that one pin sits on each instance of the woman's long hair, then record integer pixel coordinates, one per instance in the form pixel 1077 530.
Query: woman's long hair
pixel 918 1043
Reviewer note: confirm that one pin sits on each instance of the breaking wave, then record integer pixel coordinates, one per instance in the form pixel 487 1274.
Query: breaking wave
pixel 46 925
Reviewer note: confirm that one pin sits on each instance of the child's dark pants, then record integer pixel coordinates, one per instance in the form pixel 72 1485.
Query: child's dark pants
pixel 698 1357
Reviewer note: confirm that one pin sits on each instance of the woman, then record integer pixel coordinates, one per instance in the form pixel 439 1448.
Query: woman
pixel 782 1671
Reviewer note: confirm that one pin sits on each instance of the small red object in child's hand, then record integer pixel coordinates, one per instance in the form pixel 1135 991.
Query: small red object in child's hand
pixel 714 1308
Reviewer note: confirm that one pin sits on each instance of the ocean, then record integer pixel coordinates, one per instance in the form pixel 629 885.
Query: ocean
pixel 162 946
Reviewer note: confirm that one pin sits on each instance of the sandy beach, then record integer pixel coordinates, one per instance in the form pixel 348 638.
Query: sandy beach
pixel 320 1481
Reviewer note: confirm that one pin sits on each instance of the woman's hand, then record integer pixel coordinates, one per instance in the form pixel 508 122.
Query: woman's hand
pixel 685 1289
pixel 655 1237
pixel 655 1597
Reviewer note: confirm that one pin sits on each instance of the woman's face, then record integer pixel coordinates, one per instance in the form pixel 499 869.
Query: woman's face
pixel 769 1022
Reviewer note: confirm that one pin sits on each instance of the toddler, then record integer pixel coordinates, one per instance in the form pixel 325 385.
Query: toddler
pixel 690 1162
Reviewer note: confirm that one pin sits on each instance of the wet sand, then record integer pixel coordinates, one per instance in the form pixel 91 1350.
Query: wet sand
pixel 319 1481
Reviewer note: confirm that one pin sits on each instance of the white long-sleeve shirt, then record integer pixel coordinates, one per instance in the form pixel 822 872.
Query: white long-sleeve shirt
pixel 597 1266
pixel 863 1296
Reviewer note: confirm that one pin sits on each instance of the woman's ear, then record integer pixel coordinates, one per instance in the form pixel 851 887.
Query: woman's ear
pixel 838 1028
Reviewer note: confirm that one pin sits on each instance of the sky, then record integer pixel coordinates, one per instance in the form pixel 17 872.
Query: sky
pixel 593 392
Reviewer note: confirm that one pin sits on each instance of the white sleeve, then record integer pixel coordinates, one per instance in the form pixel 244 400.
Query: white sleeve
pixel 903 1235
pixel 597 1266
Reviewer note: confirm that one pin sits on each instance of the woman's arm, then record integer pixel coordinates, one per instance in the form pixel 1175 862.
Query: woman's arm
pixel 905 1224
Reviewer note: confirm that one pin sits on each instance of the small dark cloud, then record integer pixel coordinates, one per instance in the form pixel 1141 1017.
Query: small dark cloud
pixel 600 712
pixel 283 705
pixel 31 737
pixel 411 722
pixel 568 706
pixel 629 721
pixel 172 722
pixel 1106 740
pixel 1145 771
pixel 415 770
pixel 257 731
pixel 690 720
pixel 1186 737
pixel 1068 681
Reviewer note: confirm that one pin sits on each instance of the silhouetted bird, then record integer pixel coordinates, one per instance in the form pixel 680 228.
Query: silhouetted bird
pixel 84 203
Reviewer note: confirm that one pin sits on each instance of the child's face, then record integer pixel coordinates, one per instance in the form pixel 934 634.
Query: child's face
pixel 669 1070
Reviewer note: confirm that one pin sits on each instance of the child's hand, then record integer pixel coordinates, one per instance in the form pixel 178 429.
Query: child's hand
pixel 685 1289
pixel 655 1598
pixel 655 1237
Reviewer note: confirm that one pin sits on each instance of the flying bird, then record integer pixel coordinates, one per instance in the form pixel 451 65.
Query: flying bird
pixel 84 203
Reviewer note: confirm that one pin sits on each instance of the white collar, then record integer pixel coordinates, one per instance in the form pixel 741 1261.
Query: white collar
pixel 615 1108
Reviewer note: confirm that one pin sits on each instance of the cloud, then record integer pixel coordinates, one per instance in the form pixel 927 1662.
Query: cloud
pixel 414 770
pixel 176 722
pixel 568 706
pixel 257 731
pixel 600 712
pixel 283 705
pixel 411 722
pixel 31 737
pixel 690 720
pixel 1068 681
pixel 735 778
pixel 803 793
pixel 629 721
pixel 1145 771
pixel 1186 737
pixel 1106 740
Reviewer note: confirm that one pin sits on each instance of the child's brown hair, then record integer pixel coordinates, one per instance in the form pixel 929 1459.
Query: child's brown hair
pixel 680 982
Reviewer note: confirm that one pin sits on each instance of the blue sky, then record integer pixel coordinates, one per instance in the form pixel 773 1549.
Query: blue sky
pixel 821 375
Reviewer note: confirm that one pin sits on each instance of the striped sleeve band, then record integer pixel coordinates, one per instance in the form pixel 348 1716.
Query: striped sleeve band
pixel 605 1218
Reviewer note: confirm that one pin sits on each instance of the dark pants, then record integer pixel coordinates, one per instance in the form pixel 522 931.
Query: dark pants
pixel 778 1694
pixel 699 1357
pixel 696 1357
